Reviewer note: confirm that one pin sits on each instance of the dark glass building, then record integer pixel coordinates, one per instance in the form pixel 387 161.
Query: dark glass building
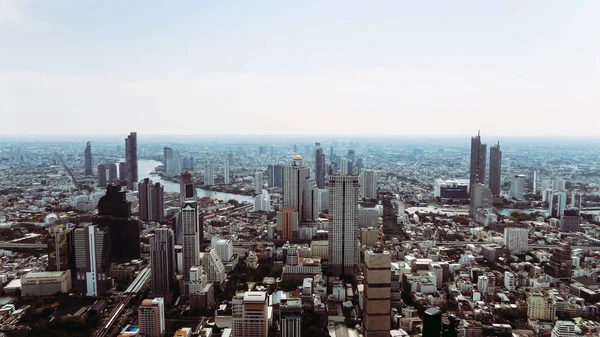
pixel 114 213
pixel 131 160
pixel 88 159
pixel 432 322
pixel 495 169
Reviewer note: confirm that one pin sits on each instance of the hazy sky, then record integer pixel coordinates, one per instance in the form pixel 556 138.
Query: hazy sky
pixel 300 67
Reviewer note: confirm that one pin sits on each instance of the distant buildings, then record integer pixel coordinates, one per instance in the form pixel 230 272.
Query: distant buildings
pixel 343 224
pixel 495 169
pixel 151 201
pixel 319 166
pixel 162 263
pixel 112 174
pixel 478 154
pixel 258 182
pixel 102 175
pixel 131 160
pixel 451 191
pixel 171 161
pixel 88 160
pixel 209 174
pixel 151 317
pixel 368 184
pixel 226 173
pixel 517 186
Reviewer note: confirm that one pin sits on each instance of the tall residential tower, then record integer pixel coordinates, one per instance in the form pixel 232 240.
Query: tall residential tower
pixel 495 169
pixel 131 160
pixel 343 224
pixel 88 159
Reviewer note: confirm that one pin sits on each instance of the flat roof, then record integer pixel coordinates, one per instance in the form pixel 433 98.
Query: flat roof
pixel 255 296
pixel 43 274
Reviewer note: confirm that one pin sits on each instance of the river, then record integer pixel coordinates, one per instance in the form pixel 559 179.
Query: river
pixel 145 167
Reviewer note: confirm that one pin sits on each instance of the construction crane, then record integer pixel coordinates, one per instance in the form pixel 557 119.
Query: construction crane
pixel 77 185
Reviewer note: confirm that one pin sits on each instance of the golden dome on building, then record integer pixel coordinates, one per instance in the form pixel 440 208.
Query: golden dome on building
pixel 297 157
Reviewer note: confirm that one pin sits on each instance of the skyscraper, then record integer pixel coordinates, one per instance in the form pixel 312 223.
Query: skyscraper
pixel 209 174
pixel 61 254
pixel 162 262
pixel 112 173
pixel 517 185
pixel 249 314
pixel 258 182
pixel 123 172
pixel 88 159
pixel 432 322
pixel 151 317
pixel 343 224
pixel 114 215
pixel 151 201
pixel 319 166
pixel 186 188
pixel 495 169
pixel 377 293
pixel 294 177
pixel 131 160
pixel 226 172
pixel 190 226
pixel 102 175
pixel 275 175
pixel 92 260
pixel 478 154
pixel 230 159
pixel 368 184
pixel 291 317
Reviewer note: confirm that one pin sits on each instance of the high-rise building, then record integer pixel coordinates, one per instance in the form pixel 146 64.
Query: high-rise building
pixel 162 263
pixel 294 177
pixel 61 249
pixel 112 173
pixel 209 174
pixel 92 260
pixel 311 202
pixel 287 223
pixel 224 247
pixel 516 239
pixel 171 161
pixel 290 310
pixel 187 191
pixel 432 322
pixel 346 166
pixel 343 224
pixel 560 266
pixel 88 159
pixel 249 314
pixel 535 182
pixel 481 197
pixel 557 204
pixel 258 182
pixel 213 266
pixel 478 154
pixel 167 157
pixel 190 225
pixel 368 184
pixel 275 175
pixel 226 173
pixel 114 214
pixel 230 159
pixel 122 172
pixel 495 169
pixel 517 186
pixel 377 293
pixel 319 166
pixel 131 160
pixel 541 307
pixel 151 201
pixel 102 175
pixel 151 317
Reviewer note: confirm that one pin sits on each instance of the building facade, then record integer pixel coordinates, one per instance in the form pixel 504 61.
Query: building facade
pixel 131 160
pixel 343 224
pixel 162 263
pixel 495 169
pixel 151 317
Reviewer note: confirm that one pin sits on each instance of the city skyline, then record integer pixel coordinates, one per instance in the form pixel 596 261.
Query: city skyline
pixel 472 62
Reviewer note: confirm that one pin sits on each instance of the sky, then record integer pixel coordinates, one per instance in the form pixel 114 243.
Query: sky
pixel 409 68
